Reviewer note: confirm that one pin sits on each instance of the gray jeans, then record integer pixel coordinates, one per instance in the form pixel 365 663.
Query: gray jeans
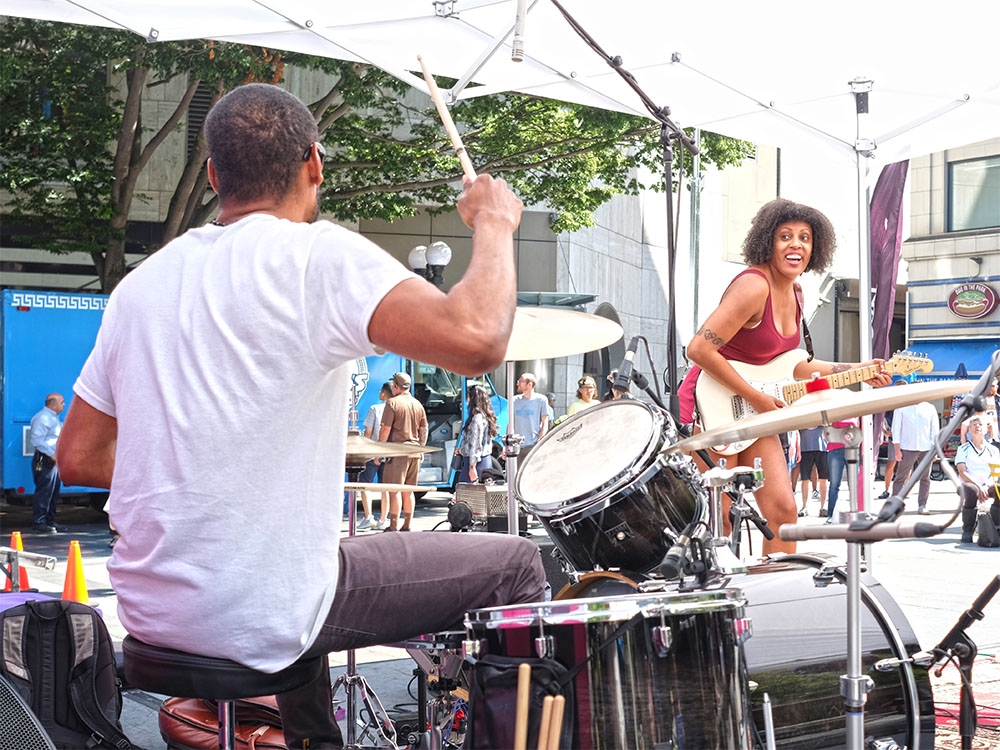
pixel 906 464
pixel 397 585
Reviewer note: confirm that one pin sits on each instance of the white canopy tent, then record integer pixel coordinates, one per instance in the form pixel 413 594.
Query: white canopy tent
pixel 777 72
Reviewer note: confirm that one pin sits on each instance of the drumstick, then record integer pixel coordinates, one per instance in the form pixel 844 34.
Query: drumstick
pixel 449 124
pixel 543 728
pixel 521 717
pixel 555 725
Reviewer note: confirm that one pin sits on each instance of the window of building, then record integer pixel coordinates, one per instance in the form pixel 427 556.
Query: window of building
pixel 197 112
pixel 974 194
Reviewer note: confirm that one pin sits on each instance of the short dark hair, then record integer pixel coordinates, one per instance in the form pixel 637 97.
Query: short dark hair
pixel 257 135
pixel 758 247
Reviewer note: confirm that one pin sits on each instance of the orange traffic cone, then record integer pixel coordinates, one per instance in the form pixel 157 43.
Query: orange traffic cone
pixel 75 588
pixel 15 543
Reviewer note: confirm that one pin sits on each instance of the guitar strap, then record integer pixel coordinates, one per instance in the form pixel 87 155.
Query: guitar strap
pixel 802 318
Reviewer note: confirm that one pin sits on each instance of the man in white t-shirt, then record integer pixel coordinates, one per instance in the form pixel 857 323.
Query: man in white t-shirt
pixel 531 412
pixel 198 408
pixel 973 461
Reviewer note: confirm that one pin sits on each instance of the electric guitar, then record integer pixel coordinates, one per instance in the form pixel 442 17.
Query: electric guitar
pixel 717 405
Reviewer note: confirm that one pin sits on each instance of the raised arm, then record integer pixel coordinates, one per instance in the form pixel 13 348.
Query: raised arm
pixel 467 329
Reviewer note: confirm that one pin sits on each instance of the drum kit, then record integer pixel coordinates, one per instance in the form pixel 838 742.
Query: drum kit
pixel 664 638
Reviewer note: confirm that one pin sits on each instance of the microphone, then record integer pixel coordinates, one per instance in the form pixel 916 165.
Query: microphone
pixel 900 530
pixel 517 43
pixel 675 560
pixel 624 375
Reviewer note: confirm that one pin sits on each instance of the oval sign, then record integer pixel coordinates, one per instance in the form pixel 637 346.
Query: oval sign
pixel 973 300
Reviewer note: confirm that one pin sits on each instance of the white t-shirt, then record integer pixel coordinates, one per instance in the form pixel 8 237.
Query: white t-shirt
pixel 222 359
pixel 977 462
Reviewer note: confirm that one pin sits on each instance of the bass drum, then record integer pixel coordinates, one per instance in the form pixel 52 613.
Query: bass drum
pixel 798 651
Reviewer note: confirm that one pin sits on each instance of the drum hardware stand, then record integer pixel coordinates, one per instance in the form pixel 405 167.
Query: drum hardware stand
pixel 350 679
pixel 511 448
pixel 957 646
pixel 737 480
pixel 432 712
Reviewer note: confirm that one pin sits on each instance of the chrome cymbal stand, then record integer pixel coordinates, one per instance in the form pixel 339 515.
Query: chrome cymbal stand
pixel 511 448
pixel 854 685
pixel 719 479
pixel 354 684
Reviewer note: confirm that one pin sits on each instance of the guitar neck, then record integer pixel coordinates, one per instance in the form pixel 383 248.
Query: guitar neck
pixel 795 391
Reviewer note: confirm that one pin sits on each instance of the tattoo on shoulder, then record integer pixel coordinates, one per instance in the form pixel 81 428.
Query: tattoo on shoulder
pixel 840 367
pixel 711 336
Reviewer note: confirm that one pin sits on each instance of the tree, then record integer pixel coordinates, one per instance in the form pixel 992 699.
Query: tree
pixel 75 145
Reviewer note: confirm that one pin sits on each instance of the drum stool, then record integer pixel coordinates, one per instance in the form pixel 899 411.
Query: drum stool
pixel 184 675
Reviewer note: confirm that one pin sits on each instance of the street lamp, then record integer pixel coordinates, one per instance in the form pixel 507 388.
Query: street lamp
pixel 438 256
pixel 418 260
pixel 429 262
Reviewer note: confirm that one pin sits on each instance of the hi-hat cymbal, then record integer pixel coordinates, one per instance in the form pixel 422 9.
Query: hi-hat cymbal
pixel 823 408
pixel 549 332
pixel 360 448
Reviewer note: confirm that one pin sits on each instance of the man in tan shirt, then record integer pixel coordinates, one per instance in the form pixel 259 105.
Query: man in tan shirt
pixel 403 421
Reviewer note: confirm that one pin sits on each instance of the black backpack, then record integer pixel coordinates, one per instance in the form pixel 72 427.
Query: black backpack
pixel 988 535
pixel 59 657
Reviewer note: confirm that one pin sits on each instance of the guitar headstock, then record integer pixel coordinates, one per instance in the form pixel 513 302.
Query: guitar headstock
pixel 903 363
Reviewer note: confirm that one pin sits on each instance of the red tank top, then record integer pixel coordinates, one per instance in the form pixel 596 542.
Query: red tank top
pixel 755 346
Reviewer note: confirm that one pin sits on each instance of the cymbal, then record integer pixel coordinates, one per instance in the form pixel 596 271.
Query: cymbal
pixel 823 408
pixel 385 487
pixel 550 332
pixel 361 448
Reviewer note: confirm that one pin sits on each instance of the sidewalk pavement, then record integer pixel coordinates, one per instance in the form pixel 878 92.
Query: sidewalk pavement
pixel 933 580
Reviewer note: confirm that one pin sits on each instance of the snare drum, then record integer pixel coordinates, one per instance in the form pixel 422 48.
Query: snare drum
pixel 674 677
pixel 606 496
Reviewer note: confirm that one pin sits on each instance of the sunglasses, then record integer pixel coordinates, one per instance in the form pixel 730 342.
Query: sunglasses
pixel 319 150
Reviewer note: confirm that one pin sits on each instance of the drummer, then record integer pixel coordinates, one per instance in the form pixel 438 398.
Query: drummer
pixel 758 318
pixel 199 408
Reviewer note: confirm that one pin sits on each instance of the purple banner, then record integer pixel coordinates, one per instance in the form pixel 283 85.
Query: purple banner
pixel 885 221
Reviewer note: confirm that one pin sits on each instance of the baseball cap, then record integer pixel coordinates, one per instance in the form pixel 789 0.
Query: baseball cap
pixel 402 380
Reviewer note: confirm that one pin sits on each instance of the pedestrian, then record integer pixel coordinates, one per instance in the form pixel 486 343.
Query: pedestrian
pixel 586 395
pixel 550 398
pixel 531 412
pixel 403 421
pixel 813 457
pixel 836 460
pixel 914 429
pixel 793 455
pixel 890 452
pixel 45 429
pixel 476 446
pixel 214 405
pixel 974 461
pixel 375 468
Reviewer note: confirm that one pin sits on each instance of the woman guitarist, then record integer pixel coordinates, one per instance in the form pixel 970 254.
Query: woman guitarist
pixel 758 318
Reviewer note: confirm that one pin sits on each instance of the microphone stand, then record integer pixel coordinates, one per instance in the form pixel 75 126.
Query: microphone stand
pixel 958 645
pixel 669 132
